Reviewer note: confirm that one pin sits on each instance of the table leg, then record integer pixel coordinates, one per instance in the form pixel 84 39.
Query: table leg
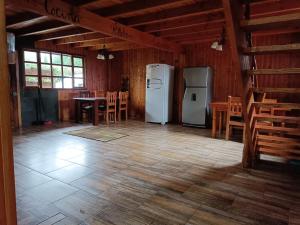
pixel 214 123
pixel 96 113
pixel 77 111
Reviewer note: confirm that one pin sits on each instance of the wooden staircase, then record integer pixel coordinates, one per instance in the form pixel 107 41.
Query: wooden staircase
pixel 266 133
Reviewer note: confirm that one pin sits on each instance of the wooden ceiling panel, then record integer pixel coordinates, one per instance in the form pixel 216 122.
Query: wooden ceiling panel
pixel 186 22
pixel 104 3
pixel 138 7
pixel 201 8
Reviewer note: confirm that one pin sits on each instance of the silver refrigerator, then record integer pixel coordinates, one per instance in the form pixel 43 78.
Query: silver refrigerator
pixel 197 96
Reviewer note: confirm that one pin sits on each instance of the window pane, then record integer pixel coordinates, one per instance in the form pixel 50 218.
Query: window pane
pixel 31 81
pixel 31 69
pixel 56 58
pixel 45 57
pixel 30 56
pixel 77 61
pixel 67 60
pixel 78 82
pixel 78 72
pixel 46 70
pixel 56 71
pixel 57 82
pixel 67 71
pixel 68 83
pixel 46 82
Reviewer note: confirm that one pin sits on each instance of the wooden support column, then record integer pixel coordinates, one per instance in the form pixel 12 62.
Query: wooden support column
pixel 7 178
pixel 233 11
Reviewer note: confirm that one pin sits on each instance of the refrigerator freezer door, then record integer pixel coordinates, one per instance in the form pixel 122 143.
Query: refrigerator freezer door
pixel 196 76
pixel 154 101
pixel 194 106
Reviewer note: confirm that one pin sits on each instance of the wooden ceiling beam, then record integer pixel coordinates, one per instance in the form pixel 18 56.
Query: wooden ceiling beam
pixel 200 8
pixel 202 40
pixel 42 28
pixel 280 6
pixel 185 22
pixel 191 30
pixel 79 38
pixel 136 6
pixel 79 16
pixel 215 36
pixel 272 22
pixel 72 32
pixel 102 41
pixel 116 46
pixel 23 20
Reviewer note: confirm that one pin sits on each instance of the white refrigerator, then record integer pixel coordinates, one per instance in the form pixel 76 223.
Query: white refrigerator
pixel 159 93
pixel 197 96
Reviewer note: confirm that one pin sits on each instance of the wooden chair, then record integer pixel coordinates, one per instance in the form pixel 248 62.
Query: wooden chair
pixel 234 116
pixel 86 108
pixel 99 93
pixel 123 104
pixel 111 107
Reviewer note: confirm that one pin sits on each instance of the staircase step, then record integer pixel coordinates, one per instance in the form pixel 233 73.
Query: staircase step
pixel 271 49
pixel 273 138
pixel 286 145
pixel 277 90
pixel 273 118
pixel 275 129
pixel 287 153
pixel 272 22
pixel 277 105
pixel 274 71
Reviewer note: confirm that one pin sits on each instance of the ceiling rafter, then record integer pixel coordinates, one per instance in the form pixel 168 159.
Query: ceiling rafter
pixel 135 6
pixel 71 32
pixel 80 38
pixel 79 16
pixel 201 8
pixel 23 19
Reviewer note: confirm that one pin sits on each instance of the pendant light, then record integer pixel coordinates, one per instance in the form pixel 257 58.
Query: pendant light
pixel 104 54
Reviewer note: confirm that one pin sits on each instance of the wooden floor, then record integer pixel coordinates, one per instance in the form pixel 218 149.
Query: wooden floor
pixel 157 175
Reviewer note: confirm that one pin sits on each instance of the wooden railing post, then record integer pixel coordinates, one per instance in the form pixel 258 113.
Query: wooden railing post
pixel 7 178
pixel 233 11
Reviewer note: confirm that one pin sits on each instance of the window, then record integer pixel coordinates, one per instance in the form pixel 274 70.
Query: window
pixel 53 70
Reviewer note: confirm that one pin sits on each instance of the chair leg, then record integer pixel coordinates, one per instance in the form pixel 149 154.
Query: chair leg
pixel 126 114
pixel 115 115
pixel 120 115
pixel 227 131
pixel 244 133
pixel 107 117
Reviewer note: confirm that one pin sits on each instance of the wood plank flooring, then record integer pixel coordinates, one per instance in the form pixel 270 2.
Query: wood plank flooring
pixel 158 175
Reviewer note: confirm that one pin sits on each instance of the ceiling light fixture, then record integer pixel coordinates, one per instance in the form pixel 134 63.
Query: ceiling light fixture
pixel 218 45
pixel 104 54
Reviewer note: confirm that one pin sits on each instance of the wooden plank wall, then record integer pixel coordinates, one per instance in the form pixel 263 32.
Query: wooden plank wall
pixel 225 78
pixel 100 75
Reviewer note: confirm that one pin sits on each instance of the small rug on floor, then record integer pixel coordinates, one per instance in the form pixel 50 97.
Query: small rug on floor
pixel 97 134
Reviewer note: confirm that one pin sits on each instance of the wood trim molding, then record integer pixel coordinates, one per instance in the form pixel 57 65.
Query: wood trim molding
pixel 8 214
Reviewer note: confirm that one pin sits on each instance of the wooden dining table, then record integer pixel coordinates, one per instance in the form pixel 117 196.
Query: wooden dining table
pixel 94 101
pixel 219 110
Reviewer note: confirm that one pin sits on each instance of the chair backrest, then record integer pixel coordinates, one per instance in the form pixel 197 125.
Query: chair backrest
pixel 111 98
pixel 85 94
pixel 234 106
pixel 99 93
pixel 123 98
